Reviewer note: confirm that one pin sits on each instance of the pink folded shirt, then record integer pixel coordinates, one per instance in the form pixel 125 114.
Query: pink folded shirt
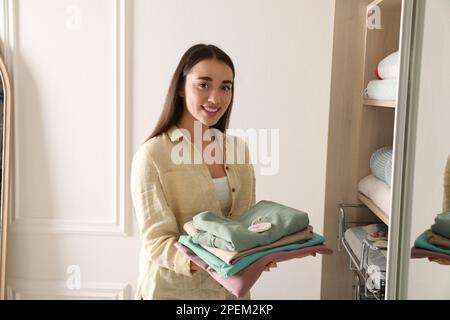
pixel 417 253
pixel 241 283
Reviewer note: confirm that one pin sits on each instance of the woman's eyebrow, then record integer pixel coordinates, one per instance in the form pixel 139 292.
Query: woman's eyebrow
pixel 210 79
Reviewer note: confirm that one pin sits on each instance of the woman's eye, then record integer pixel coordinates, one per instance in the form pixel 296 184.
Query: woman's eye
pixel 203 85
pixel 226 88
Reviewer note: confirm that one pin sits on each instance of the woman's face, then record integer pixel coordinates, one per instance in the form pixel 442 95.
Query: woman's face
pixel 207 91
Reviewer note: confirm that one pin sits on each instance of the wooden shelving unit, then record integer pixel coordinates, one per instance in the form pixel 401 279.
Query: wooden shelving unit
pixel 358 126
pixel 378 116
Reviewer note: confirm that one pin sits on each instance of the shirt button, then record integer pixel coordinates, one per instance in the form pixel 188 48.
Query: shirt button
pixel 233 190
pixel 213 138
pixel 227 168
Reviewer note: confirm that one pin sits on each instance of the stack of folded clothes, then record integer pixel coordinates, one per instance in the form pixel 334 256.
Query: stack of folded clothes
pixel 435 242
pixel 377 185
pixel 235 252
pixel 387 71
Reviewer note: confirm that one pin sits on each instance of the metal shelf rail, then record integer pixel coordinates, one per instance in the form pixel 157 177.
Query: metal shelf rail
pixel 369 277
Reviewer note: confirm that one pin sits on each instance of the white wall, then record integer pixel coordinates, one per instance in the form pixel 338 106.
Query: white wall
pixel 70 203
pixel 282 51
pixel 430 280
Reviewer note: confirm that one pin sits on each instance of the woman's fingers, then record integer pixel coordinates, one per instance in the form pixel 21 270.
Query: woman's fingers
pixel 440 261
pixel 271 264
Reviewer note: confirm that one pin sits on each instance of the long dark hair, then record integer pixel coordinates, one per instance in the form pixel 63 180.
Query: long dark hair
pixel 173 106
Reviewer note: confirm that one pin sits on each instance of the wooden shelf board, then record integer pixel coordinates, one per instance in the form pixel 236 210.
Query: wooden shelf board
pixel 380 103
pixel 374 208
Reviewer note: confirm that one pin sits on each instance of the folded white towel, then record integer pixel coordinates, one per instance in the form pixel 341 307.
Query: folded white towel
pixel 389 67
pixel 382 89
pixel 377 191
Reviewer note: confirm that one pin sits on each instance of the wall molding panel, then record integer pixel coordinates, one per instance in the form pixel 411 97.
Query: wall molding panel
pixel 19 289
pixel 24 222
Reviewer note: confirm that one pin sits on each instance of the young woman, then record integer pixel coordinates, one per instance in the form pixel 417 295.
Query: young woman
pixel 169 185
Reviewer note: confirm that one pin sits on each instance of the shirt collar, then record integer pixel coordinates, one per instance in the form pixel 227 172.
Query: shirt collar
pixel 175 133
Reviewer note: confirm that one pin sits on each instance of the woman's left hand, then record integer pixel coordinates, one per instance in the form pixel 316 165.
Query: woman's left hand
pixel 271 264
pixel 440 261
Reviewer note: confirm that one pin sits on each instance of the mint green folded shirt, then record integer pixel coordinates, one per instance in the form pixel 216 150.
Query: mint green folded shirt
pixel 422 242
pixel 227 270
pixel 233 235
pixel 442 224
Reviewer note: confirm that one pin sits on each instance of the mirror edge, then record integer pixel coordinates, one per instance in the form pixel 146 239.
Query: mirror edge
pixel 396 228
pixel 405 157
pixel 6 161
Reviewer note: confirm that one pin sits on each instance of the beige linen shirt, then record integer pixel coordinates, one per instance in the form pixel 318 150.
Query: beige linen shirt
pixel 166 195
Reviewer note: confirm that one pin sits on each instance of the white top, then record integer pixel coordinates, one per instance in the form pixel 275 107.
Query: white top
pixel 223 193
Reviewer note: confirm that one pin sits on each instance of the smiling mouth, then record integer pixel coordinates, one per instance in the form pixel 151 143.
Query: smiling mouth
pixel 211 110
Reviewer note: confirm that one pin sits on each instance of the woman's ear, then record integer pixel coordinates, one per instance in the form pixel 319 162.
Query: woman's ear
pixel 181 92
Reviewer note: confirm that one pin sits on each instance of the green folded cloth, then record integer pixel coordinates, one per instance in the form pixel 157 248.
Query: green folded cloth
pixel 233 234
pixel 227 270
pixel 441 224
pixel 422 242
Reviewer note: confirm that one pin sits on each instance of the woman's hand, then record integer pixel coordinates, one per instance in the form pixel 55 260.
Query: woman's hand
pixel 271 264
pixel 440 261
pixel 194 267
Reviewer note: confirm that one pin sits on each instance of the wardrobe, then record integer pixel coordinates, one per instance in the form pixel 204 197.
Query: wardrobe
pixel 365 32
